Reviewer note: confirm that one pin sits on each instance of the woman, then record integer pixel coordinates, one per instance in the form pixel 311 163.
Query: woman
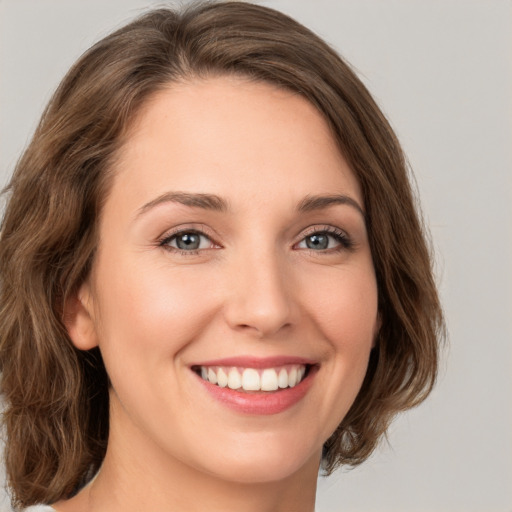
pixel 214 279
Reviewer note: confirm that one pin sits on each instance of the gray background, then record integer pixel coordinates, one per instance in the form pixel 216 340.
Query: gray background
pixel 442 72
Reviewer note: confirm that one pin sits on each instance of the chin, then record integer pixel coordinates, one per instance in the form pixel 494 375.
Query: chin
pixel 264 465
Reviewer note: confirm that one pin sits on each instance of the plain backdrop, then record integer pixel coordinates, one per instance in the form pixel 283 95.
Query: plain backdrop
pixel 442 72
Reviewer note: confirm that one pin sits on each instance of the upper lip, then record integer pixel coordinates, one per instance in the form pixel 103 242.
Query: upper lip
pixel 256 362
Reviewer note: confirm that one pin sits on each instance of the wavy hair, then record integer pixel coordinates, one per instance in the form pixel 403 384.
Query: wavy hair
pixel 56 397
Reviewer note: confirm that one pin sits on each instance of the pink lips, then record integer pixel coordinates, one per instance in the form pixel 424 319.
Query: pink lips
pixel 256 362
pixel 261 402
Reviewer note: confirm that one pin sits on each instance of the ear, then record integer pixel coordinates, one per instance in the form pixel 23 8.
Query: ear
pixel 78 318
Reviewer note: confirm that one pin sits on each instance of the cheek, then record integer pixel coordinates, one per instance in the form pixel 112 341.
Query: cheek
pixel 344 306
pixel 151 310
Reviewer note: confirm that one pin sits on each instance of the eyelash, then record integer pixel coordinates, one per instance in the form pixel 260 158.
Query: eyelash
pixel 168 238
pixel 344 241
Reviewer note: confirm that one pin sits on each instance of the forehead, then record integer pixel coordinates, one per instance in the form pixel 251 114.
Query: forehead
pixel 229 135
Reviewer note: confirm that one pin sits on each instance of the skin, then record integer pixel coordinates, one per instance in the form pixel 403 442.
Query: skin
pixel 253 288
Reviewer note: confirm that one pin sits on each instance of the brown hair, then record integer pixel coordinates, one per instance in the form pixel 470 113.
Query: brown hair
pixel 56 396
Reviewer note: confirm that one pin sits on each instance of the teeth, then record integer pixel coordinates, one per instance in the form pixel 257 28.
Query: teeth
pixel 283 379
pixel 292 377
pixel 251 379
pixel 222 378
pixel 212 376
pixel 234 379
pixel 269 380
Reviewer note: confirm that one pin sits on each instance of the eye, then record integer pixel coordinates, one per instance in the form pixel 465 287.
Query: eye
pixel 187 241
pixel 325 240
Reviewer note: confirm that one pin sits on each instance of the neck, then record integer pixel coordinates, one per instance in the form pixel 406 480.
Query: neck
pixel 184 489
pixel 137 475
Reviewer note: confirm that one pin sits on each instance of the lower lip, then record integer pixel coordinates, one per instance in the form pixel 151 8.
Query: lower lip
pixel 265 402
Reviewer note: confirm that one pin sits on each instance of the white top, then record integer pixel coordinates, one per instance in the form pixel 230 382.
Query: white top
pixel 39 508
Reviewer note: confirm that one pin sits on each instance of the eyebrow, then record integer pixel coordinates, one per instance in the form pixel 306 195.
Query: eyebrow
pixel 204 201
pixel 312 203
pixel 216 203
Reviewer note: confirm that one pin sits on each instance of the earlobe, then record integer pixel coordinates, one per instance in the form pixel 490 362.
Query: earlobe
pixel 78 318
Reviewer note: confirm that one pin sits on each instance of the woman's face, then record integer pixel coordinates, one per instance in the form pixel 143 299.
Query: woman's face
pixel 233 295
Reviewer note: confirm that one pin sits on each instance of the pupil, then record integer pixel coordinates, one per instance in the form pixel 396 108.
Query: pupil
pixel 188 241
pixel 317 242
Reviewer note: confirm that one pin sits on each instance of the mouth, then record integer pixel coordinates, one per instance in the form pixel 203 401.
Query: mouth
pixel 254 380
pixel 257 386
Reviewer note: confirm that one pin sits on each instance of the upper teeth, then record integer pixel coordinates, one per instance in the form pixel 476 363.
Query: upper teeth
pixel 251 379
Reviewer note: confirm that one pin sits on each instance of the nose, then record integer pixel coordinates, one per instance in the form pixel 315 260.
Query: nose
pixel 260 297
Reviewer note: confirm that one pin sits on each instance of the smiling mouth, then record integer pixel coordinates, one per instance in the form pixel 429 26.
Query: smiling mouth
pixel 254 379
